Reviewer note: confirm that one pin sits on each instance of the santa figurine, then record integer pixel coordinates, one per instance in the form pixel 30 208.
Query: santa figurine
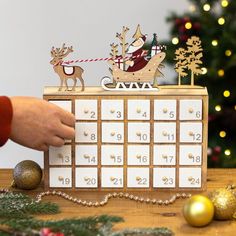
pixel 137 60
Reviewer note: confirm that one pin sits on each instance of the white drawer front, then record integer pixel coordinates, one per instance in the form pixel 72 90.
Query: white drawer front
pixel 164 177
pixel 138 132
pixel 164 132
pixel 60 155
pixel 86 155
pixel 112 132
pixel 60 177
pixel 66 105
pixel 138 155
pixel 164 155
pixel 138 109
pixel 86 132
pixel 138 177
pixel 86 178
pixel 190 109
pixel 86 109
pixel 112 177
pixel 190 154
pixel 112 155
pixel 112 109
pixel 190 177
pixel 165 109
pixel 191 132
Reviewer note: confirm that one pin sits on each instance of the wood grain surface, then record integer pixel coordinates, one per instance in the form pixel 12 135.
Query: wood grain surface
pixel 139 214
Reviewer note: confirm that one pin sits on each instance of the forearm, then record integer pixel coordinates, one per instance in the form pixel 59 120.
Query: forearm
pixel 6 113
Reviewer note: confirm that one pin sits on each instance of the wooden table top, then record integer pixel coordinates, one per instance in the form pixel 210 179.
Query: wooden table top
pixel 139 214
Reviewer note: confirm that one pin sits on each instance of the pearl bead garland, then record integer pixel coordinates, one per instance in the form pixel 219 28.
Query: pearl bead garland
pixel 108 196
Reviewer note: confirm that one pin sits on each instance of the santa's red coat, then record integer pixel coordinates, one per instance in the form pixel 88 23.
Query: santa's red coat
pixel 139 62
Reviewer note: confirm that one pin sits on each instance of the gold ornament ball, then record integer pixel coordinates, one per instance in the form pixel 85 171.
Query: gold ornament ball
pixel 27 175
pixel 198 210
pixel 224 202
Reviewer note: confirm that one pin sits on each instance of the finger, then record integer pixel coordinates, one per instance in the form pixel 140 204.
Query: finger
pixel 67 118
pixel 44 148
pixel 66 132
pixel 56 141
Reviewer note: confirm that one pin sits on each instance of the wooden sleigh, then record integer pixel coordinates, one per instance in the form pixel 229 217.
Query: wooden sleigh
pixel 138 80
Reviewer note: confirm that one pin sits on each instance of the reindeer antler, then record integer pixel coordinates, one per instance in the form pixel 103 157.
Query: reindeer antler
pixel 61 52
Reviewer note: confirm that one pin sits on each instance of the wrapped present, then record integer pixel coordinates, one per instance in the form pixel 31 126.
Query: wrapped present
pixel 119 62
pixel 155 50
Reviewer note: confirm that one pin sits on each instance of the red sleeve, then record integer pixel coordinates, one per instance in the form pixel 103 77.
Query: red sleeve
pixel 6 114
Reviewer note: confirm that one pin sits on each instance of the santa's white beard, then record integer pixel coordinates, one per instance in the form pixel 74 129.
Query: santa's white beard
pixel 133 49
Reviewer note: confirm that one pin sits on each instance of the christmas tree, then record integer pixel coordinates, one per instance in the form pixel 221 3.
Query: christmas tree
pixel 214 22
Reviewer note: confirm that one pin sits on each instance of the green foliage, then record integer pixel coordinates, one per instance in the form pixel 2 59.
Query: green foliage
pixel 205 25
pixel 16 218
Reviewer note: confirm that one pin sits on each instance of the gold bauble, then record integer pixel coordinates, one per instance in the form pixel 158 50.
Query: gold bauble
pixel 198 210
pixel 27 175
pixel 224 202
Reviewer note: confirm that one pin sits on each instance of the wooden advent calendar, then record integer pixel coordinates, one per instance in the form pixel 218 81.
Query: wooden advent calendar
pixel 128 141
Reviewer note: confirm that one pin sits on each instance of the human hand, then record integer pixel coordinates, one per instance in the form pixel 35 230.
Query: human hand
pixel 39 124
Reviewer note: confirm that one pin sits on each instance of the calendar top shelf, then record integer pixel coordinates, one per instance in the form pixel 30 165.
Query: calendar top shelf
pixel 163 90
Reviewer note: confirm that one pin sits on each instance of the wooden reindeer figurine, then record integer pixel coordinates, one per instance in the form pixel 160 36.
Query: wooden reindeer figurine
pixel 66 72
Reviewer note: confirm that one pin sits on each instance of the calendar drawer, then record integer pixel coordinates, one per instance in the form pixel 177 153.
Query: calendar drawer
pixel 64 104
pixel 138 177
pixel 86 155
pixel 138 155
pixel 112 155
pixel 112 177
pixel 138 132
pixel 86 132
pixel 190 177
pixel 112 132
pixel 60 155
pixel 164 178
pixel 86 178
pixel 191 132
pixel 164 132
pixel 190 155
pixel 60 177
pixel 138 109
pixel 164 155
pixel 86 109
pixel 165 109
pixel 190 110
pixel 112 109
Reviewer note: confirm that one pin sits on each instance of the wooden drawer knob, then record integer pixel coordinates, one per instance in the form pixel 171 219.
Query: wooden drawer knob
pixel 85 133
pixel 113 134
pixel 164 133
pixel 86 111
pixel 112 156
pixel 190 133
pixel 165 110
pixel 138 110
pixel 138 133
pixel 164 156
pixel 190 110
pixel 112 179
pixel 86 156
pixel 60 155
pixel 86 178
pixel 112 111
pixel 190 178
pixel 190 156
pixel 138 178
pixel 60 178
pixel 164 178
pixel 138 156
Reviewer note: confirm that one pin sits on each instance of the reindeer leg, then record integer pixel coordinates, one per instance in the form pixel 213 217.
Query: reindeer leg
pixel 61 85
pixel 75 81
pixel 66 85
pixel 82 83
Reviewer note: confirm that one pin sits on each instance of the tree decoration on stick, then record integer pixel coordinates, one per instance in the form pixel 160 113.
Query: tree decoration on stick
pixel 122 37
pixel 114 51
pixel 189 59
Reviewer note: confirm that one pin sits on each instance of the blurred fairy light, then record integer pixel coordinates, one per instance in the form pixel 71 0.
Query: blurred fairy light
pixel 227 152
pixel 218 108
pixel 235 107
pixel 206 7
pixel 221 21
pixel 222 134
pixel 175 40
pixel 224 3
pixel 192 8
pixel 204 70
pixel 188 25
pixel 228 53
pixel 214 42
pixel 226 93
pixel 221 72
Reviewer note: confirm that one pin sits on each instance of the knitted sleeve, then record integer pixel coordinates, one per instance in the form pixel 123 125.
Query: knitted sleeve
pixel 6 114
